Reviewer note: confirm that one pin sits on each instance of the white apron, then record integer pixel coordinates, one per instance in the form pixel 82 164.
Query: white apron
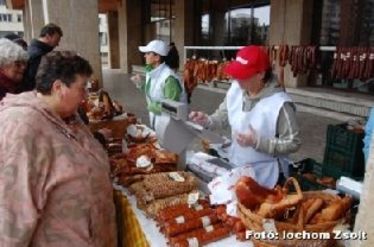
pixel 157 78
pixel 263 119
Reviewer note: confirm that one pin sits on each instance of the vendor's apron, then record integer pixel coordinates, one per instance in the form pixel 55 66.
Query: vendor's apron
pixel 157 78
pixel 263 119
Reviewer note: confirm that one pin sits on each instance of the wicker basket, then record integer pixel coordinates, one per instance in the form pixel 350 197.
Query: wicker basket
pixel 254 222
pixel 295 243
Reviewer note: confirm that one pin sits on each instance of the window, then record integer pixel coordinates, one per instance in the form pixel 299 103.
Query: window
pixel 103 39
pixel 19 18
pixel 330 24
pixel 160 10
pixel 205 23
pixel 5 17
pixel 347 24
pixel 342 23
pixel 235 25
pixel 247 25
pixel 159 14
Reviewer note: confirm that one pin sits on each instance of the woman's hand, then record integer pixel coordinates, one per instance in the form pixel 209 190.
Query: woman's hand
pixel 246 139
pixel 199 118
pixel 137 80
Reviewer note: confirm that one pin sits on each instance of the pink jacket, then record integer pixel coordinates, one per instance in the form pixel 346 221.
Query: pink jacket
pixel 54 180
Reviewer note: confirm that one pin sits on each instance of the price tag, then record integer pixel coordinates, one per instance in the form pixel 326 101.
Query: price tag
pixel 269 225
pixel 206 221
pixel 176 177
pixel 209 228
pixel 143 162
pixel 198 207
pixel 193 198
pixel 89 85
pixel 132 130
pixel 145 132
pixel 157 146
pixel 125 150
pixel 193 242
pixel 96 102
pixel 180 220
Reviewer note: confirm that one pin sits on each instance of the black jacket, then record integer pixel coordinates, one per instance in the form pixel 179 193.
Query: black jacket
pixel 36 51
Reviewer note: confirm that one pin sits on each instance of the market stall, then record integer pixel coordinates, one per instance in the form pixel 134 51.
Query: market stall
pixel 208 202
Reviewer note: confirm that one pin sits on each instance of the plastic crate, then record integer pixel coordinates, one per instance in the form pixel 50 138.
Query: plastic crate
pixel 331 171
pixel 343 153
pixel 339 137
pixel 345 163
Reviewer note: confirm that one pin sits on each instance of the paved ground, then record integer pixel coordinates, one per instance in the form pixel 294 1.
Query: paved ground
pixel 313 127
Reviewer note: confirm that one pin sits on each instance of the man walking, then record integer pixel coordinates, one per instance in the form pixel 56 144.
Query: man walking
pixel 49 38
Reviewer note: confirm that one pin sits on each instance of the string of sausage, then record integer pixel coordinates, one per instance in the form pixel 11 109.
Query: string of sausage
pixel 369 68
pixel 353 63
pixel 233 222
pixel 176 227
pixel 283 55
pixel 190 80
pixel 302 59
pixel 198 210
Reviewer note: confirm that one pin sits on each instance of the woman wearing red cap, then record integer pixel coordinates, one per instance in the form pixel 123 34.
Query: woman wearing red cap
pixel 261 116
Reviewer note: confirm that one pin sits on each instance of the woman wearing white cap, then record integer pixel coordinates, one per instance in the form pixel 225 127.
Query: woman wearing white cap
pixel 161 81
pixel 261 116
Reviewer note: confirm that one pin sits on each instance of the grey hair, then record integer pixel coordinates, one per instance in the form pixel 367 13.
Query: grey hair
pixel 10 52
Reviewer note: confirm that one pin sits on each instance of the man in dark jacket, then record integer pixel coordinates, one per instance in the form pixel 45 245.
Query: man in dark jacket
pixel 49 38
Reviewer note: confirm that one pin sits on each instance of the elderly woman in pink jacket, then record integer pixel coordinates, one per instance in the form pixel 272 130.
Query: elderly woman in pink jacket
pixel 13 61
pixel 54 177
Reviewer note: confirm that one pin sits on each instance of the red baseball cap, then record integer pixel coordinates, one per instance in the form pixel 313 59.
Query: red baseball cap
pixel 249 61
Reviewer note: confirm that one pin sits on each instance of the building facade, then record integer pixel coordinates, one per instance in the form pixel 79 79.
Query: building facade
pixel 104 41
pixel 11 21
pixel 226 23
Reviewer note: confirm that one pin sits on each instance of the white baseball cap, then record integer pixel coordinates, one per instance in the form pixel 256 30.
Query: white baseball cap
pixel 156 46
